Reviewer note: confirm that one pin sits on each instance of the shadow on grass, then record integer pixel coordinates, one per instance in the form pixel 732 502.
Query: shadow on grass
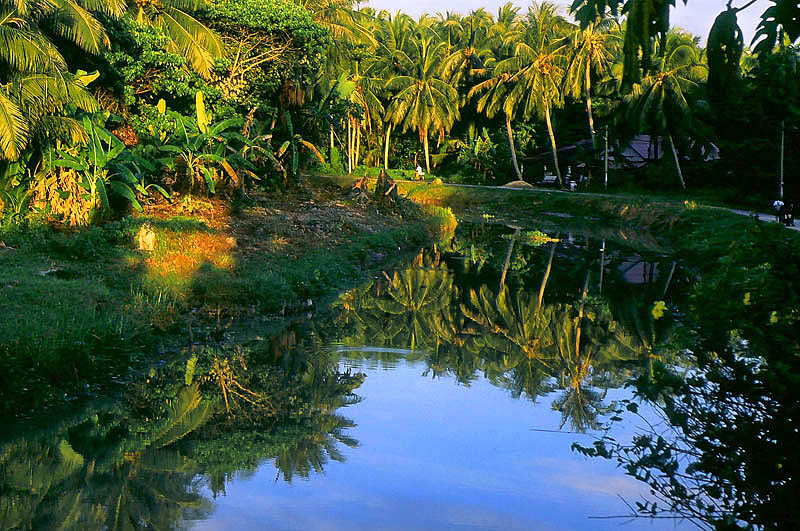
pixel 84 309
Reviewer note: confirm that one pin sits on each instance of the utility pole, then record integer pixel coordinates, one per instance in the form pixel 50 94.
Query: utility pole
pixel 605 170
pixel 602 265
pixel 780 164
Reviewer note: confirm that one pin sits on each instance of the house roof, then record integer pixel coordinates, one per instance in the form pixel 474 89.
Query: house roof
pixel 639 151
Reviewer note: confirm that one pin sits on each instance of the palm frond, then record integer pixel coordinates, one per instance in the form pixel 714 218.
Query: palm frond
pixel 50 92
pixel 27 51
pixel 113 8
pixel 77 25
pixel 193 40
pixel 13 128
pixel 62 128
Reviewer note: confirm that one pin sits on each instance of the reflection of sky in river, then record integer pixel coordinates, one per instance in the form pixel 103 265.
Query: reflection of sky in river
pixel 436 455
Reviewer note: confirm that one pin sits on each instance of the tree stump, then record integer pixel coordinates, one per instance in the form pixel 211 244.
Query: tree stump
pixel 359 190
pixel 386 190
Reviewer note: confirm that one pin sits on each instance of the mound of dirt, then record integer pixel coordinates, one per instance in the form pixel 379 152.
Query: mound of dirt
pixel 517 184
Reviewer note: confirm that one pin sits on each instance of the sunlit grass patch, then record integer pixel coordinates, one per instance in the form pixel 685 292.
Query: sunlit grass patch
pixel 178 258
pixel 160 308
pixel 443 221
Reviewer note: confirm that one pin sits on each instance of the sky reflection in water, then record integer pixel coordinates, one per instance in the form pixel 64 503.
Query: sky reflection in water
pixel 438 455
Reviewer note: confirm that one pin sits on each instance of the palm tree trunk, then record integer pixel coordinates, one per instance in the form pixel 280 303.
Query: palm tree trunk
pixel 427 153
pixel 510 133
pixel 590 117
pixel 553 143
pixel 602 266
pixel 589 114
pixel 330 155
pixel 386 147
pixel 580 315
pixel 677 162
pixel 669 279
pixel 546 276
pixel 507 263
pixel 349 146
pixel 358 145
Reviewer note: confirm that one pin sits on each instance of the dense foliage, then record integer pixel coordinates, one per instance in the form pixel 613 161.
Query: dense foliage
pixel 477 97
pixel 106 105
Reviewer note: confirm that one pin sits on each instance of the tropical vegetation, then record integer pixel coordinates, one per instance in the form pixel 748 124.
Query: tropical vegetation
pixel 469 97
pixel 154 164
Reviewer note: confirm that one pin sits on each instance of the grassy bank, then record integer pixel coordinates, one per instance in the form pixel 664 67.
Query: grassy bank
pixel 684 226
pixel 650 223
pixel 81 308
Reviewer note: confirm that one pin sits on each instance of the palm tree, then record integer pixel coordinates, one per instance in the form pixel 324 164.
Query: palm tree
pixel 363 90
pixel 536 68
pixel 32 106
pixel 591 54
pixel 661 100
pixel 494 97
pixel 392 34
pixel 470 54
pixel 35 85
pixel 339 18
pixel 188 36
pixel 424 102
pixel 494 91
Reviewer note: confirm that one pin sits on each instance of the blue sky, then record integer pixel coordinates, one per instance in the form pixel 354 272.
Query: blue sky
pixel 697 16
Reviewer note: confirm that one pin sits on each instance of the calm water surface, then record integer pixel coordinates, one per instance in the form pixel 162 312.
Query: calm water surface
pixel 434 454
pixel 445 394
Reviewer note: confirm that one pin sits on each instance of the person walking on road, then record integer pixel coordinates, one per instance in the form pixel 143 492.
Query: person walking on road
pixel 779 212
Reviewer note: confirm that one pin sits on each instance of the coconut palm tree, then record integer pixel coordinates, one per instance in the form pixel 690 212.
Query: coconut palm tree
pixel 494 98
pixel 35 84
pixel 424 101
pixel 339 18
pixel 592 54
pixel 363 89
pixel 493 92
pixel 470 54
pixel 393 35
pixel 660 102
pixel 32 106
pixel 536 69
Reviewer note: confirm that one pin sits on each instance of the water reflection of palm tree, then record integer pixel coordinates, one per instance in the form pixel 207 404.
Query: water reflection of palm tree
pixel 453 351
pixel 60 489
pixel 578 403
pixel 413 296
pixel 510 322
pixel 633 309
pixel 510 251
pixel 139 465
pixel 587 344
pixel 309 448
pixel 519 320
pixel 30 473
pixel 154 490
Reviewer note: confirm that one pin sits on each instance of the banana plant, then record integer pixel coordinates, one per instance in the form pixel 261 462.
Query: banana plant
pixel 292 146
pixel 198 149
pixel 15 194
pixel 104 164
